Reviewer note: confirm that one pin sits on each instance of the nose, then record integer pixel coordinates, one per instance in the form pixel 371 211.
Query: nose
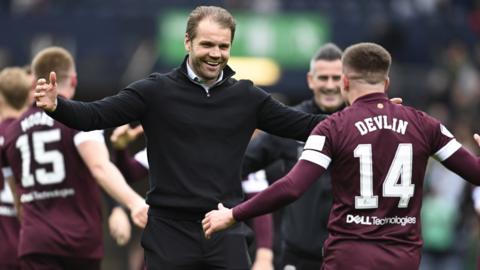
pixel 330 83
pixel 215 52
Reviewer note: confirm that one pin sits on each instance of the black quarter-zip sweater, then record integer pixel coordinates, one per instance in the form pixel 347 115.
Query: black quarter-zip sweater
pixel 195 141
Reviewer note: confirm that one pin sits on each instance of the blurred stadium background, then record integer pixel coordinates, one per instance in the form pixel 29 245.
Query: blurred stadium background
pixel 435 45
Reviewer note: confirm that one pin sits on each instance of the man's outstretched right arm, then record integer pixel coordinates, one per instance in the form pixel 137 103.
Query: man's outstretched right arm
pixel 282 192
pixel 124 107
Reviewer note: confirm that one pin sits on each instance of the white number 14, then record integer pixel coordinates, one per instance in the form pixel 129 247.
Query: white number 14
pixel 401 167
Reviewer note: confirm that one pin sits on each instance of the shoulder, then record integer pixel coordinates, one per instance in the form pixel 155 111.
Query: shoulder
pixel 147 83
pixel 430 126
pixel 421 118
pixel 5 124
pixel 422 115
pixel 3 130
pixel 338 117
pixel 335 123
pixel 244 84
pixel 28 118
pixel 9 129
pixel 246 88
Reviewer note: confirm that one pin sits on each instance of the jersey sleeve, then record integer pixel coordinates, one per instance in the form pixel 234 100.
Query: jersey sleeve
pixel 446 149
pixel 443 143
pixel 318 148
pixel 282 192
pixel 82 136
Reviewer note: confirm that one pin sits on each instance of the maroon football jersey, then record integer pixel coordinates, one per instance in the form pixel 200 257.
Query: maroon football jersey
pixel 9 225
pixel 378 153
pixel 59 196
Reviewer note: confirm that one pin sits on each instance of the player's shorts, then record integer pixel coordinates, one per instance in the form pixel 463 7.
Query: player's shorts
pixel 370 255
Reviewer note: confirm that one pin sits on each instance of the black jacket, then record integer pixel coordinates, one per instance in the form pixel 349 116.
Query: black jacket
pixel 195 141
pixel 304 222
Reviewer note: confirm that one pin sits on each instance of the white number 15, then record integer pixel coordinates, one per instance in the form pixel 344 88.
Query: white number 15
pixel 41 156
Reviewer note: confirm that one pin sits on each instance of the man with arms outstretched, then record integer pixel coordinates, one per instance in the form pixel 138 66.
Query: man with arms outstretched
pixel 198 121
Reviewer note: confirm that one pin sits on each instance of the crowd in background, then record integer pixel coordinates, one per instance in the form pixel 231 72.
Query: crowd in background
pixel 435 45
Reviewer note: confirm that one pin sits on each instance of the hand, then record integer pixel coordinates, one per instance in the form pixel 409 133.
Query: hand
pixel 119 226
pixel 139 213
pixel 217 220
pixel 476 137
pixel 396 100
pixel 263 259
pixel 46 94
pixel 123 135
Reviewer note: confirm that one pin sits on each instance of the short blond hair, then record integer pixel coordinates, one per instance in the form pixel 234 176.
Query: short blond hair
pixel 15 86
pixel 367 61
pixel 55 59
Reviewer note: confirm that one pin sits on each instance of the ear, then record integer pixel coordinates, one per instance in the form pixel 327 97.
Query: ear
pixel 310 80
pixel 73 80
pixel 34 83
pixel 345 82
pixel 187 43
pixel 387 84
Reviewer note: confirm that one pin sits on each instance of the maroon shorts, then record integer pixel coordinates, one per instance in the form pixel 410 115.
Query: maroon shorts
pixel 370 255
pixel 52 262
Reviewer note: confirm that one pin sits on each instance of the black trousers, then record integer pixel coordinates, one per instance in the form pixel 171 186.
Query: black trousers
pixel 181 245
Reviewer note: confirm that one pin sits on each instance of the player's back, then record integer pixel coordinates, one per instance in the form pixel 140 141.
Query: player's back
pixel 59 197
pixel 379 153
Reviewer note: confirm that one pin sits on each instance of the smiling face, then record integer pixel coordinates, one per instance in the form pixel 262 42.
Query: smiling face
pixel 209 50
pixel 324 79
